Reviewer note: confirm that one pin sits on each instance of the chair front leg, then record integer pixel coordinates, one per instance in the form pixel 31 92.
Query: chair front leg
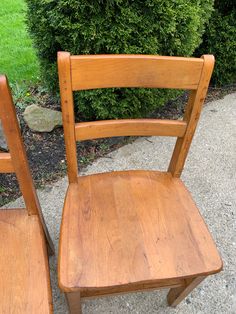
pixel 176 295
pixel 73 300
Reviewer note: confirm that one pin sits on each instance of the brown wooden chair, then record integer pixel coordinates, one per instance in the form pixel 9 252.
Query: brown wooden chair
pixel 24 238
pixel 132 230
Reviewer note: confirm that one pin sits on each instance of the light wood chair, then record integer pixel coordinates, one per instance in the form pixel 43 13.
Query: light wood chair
pixel 24 238
pixel 132 230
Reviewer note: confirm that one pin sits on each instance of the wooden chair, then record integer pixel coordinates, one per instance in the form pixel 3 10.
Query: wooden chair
pixel 24 238
pixel 132 230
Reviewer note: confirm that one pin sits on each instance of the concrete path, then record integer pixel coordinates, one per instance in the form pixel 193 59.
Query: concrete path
pixel 210 174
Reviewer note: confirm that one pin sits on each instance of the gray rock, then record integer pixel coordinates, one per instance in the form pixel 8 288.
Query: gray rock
pixel 3 143
pixel 41 119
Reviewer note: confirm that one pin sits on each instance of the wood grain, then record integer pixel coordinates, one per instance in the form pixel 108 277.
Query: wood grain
pixel 67 106
pixel 128 127
pixel 176 295
pixel 6 165
pixel 192 115
pixel 138 287
pixel 134 230
pixel 73 300
pixel 18 156
pixel 132 227
pixel 103 71
pixel 106 71
pixel 24 272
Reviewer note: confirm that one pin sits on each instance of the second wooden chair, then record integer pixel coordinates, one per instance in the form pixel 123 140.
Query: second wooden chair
pixel 24 239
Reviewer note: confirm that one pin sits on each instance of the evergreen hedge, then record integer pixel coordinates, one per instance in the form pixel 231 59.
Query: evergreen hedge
pixel 170 27
pixel 220 40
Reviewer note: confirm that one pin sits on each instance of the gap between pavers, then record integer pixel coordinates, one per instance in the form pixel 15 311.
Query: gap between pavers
pixel 210 175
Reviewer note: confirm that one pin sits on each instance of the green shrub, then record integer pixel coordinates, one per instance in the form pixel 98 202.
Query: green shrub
pixel 225 7
pixel 170 27
pixel 220 40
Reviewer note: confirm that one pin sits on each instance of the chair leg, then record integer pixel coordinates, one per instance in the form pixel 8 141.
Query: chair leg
pixel 73 300
pixel 176 295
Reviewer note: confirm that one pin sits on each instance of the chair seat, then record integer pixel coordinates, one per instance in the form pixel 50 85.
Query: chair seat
pixel 128 227
pixel 24 273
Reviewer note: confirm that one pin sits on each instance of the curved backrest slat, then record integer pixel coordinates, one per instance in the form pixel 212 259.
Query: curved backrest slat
pixel 129 127
pixel 105 71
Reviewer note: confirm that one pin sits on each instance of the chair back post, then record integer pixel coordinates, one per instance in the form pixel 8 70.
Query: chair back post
pixel 191 116
pixel 16 161
pixel 67 105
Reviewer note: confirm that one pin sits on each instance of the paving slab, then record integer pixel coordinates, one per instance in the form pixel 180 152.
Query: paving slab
pixel 210 175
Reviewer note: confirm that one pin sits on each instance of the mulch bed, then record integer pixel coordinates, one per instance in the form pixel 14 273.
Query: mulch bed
pixel 46 151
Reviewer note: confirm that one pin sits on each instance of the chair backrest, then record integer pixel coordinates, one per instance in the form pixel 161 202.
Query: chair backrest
pixel 16 161
pixel 105 71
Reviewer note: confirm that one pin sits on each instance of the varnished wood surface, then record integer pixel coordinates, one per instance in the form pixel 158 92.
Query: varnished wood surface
pixel 6 165
pixel 127 231
pixel 176 295
pixel 24 272
pixel 129 288
pixel 16 147
pixel 105 71
pixel 74 304
pixel 191 116
pixel 67 106
pixel 129 227
pixel 129 127
pixel 18 156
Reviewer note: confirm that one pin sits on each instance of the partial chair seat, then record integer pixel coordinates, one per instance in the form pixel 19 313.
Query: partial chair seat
pixel 24 271
pixel 127 227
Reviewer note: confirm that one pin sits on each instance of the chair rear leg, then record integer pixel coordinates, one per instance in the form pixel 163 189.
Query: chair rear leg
pixel 73 300
pixel 176 295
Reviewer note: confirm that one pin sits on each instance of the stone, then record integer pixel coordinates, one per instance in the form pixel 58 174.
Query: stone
pixel 41 119
pixel 3 143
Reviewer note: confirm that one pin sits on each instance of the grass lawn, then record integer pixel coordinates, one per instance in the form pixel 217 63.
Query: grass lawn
pixel 17 56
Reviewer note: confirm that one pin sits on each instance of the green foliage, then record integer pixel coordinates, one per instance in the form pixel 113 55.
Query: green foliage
pixel 225 7
pixel 220 40
pixel 115 26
